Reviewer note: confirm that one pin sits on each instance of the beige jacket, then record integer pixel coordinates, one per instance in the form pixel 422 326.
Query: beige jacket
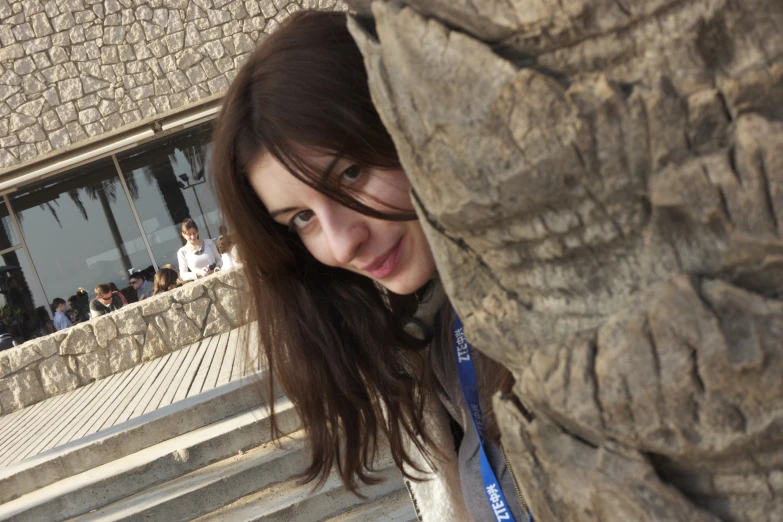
pixel 438 498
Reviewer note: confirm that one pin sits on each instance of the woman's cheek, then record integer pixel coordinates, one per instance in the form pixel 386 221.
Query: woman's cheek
pixel 390 187
pixel 318 249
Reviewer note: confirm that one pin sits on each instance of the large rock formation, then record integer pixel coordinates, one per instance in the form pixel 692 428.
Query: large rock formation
pixel 602 184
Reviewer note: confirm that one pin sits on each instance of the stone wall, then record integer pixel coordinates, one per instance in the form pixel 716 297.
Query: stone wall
pixel 74 69
pixel 139 332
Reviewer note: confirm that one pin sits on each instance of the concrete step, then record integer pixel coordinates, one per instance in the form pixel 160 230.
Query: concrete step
pixel 151 466
pixel 210 488
pixel 127 438
pixel 394 507
pixel 290 501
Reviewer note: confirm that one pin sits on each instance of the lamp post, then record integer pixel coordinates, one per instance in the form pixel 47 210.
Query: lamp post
pixel 185 182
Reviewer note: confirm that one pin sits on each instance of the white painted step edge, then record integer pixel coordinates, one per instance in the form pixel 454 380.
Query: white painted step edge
pixel 209 488
pixel 154 465
pixel 394 507
pixel 129 437
pixel 290 501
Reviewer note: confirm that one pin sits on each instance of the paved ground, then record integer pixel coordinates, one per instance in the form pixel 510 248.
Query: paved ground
pixel 117 398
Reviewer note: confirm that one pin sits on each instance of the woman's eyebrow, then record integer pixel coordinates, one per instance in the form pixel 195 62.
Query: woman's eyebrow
pixel 330 167
pixel 273 214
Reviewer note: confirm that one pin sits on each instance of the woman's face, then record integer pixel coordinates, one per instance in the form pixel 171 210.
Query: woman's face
pixel 191 235
pixel 393 253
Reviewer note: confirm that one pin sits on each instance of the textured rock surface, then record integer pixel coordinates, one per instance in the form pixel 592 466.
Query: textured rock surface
pixel 80 339
pixel 104 329
pixel 110 344
pixel 73 70
pixel 197 310
pixel 602 186
pixel 21 389
pixel 216 323
pixel 93 366
pixel 123 354
pixel 56 377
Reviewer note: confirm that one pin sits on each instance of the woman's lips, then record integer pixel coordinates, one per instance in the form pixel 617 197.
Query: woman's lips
pixel 386 263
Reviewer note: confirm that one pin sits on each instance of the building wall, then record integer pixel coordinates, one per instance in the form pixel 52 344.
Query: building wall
pixel 71 70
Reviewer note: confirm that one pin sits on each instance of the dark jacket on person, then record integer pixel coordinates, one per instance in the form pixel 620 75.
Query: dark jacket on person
pixel 98 308
pixel 6 341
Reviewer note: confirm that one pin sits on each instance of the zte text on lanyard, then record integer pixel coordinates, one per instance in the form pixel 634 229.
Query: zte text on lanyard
pixel 467 377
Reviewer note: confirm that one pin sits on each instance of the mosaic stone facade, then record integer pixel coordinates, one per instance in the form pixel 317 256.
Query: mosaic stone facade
pixel 71 70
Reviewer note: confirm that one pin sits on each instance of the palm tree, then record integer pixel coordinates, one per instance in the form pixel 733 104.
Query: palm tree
pixel 600 183
pixel 104 191
pixel 196 156
pixel 173 198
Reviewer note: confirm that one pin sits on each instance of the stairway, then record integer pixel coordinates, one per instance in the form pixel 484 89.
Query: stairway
pixel 209 457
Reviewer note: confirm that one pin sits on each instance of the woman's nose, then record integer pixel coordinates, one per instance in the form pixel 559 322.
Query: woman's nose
pixel 346 231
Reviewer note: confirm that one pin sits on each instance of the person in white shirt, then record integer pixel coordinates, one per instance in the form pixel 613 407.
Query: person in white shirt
pixel 227 250
pixel 61 321
pixel 199 257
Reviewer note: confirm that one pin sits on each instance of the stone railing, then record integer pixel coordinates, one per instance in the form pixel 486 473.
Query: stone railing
pixel 139 332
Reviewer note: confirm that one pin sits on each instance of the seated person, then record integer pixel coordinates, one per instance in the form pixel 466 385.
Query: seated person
pixel 166 279
pixel 115 289
pixel 61 321
pixel 106 300
pixel 143 287
pixel 78 312
pixel 6 339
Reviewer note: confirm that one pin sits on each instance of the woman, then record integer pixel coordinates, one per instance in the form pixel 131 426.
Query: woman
pixel 355 325
pixel 106 300
pixel 80 307
pixel 199 257
pixel 166 279
pixel 227 249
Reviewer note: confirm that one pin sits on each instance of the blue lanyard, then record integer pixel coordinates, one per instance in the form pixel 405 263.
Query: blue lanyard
pixel 467 376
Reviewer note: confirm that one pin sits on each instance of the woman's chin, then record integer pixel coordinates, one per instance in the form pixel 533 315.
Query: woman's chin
pixel 406 284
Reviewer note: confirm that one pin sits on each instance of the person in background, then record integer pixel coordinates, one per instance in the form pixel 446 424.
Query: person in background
pixel 129 293
pixel 79 312
pixel 226 248
pixel 6 339
pixel 180 282
pixel 199 257
pixel 143 287
pixel 106 300
pixel 44 322
pixel 166 279
pixel 222 231
pixel 61 321
pixel 115 289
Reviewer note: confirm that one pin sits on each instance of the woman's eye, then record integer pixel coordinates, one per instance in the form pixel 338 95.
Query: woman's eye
pixel 301 220
pixel 351 175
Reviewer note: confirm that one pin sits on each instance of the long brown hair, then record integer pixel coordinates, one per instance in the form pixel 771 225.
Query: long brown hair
pixel 332 340
pixel 337 351
pixel 164 279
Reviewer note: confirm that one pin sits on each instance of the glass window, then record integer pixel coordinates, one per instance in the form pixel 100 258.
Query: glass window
pixel 168 180
pixel 80 230
pixel 23 306
pixel 8 236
